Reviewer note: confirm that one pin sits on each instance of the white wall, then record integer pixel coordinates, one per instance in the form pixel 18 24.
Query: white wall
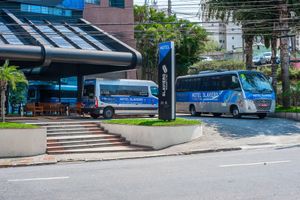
pixel 22 142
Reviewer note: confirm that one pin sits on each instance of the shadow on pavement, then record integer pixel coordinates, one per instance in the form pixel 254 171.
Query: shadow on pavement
pixel 249 126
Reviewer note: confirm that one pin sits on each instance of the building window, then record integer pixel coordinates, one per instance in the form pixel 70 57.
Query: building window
pixel 117 3
pixel 92 1
pixel 45 10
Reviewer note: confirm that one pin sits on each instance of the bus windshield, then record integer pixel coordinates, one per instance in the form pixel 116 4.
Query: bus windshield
pixel 255 82
pixel 154 91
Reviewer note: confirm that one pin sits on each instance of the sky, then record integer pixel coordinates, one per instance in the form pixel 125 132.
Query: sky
pixel 187 9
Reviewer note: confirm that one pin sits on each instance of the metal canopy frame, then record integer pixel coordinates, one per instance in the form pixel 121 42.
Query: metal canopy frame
pixel 43 57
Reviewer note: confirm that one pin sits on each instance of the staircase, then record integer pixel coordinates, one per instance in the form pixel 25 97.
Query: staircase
pixel 84 137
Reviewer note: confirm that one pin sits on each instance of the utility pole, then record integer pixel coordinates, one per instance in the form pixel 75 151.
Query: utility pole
pixel 169 8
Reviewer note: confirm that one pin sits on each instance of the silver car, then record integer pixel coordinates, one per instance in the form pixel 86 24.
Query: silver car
pixel 259 60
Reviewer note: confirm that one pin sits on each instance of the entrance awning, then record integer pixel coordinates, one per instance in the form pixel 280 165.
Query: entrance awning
pixel 46 50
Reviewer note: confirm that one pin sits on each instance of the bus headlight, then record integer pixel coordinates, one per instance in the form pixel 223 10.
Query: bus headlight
pixel 250 105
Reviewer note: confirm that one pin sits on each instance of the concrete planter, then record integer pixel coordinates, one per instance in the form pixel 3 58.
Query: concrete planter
pixel 293 116
pixel 155 137
pixel 22 142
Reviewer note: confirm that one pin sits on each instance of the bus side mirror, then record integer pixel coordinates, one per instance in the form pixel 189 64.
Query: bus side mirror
pixel 270 79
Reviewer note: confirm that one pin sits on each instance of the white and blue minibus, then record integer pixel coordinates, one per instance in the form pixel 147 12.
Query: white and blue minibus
pixel 108 97
pixel 225 92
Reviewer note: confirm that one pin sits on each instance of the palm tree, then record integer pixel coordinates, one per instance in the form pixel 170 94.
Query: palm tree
pixel 263 17
pixel 9 75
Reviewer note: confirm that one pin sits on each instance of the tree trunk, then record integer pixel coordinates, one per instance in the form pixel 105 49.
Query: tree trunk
pixel 273 63
pixel 284 55
pixel 3 98
pixel 249 52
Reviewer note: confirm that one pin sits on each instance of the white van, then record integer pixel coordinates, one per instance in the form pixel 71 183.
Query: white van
pixel 119 96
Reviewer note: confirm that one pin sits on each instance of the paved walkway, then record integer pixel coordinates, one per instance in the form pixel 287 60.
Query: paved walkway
pixel 212 141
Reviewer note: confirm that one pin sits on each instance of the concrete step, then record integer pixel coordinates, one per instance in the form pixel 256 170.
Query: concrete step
pixel 77 126
pixel 60 123
pixel 81 137
pixel 67 129
pixel 75 133
pixel 86 146
pixel 100 150
pixel 83 141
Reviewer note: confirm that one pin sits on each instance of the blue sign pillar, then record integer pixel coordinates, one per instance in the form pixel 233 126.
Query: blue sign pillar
pixel 166 81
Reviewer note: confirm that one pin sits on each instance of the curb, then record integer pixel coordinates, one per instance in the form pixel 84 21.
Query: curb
pixel 28 161
pixel 49 159
pixel 161 155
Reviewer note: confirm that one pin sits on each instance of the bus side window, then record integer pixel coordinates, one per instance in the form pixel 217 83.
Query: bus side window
pixel 204 84
pixel 234 83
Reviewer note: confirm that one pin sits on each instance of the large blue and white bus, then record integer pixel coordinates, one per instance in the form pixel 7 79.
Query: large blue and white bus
pixel 225 92
pixel 121 96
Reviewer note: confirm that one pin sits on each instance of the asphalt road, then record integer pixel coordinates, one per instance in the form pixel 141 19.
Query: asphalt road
pixel 257 174
pixel 249 126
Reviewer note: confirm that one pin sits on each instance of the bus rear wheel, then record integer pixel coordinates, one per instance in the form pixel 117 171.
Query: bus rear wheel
pixel 94 116
pixel 262 115
pixel 193 111
pixel 108 112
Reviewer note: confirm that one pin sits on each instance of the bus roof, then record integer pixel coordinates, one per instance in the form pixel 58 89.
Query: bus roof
pixel 215 73
pixel 127 81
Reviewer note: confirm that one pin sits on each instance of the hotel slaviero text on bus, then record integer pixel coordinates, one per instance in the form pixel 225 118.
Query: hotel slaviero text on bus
pixel 226 92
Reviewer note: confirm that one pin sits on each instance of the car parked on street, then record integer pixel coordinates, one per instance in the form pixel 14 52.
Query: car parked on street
pixel 206 58
pixel 267 56
pixel 259 60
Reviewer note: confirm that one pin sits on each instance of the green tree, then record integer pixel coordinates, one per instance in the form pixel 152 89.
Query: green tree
pixel 17 95
pixel 154 27
pixel 211 46
pixel 9 75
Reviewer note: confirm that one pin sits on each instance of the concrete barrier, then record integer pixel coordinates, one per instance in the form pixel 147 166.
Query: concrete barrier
pixel 22 142
pixel 286 115
pixel 154 136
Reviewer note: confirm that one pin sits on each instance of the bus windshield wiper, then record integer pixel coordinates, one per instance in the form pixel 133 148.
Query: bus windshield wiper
pixel 265 91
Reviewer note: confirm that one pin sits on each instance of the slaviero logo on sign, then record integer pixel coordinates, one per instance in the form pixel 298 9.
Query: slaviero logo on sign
pixel 166 81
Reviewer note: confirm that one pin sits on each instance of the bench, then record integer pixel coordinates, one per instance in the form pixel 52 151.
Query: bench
pixel 31 107
pixel 52 108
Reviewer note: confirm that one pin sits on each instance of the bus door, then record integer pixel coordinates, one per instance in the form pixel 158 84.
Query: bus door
pixel 89 97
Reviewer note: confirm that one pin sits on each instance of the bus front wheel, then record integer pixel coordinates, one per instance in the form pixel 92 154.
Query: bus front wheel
pixel 235 112
pixel 108 112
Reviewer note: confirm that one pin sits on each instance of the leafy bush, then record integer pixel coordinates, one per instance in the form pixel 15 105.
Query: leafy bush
pixel 216 65
pixel 154 122
pixel 294 73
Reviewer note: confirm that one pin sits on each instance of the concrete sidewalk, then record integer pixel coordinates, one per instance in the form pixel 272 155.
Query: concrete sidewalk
pixel 211 141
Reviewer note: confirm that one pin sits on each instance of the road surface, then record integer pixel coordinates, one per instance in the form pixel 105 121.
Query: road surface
pixel 254 174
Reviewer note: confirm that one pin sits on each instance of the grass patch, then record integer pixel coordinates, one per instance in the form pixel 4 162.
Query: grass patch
pixel 292 109
pixel 154 122
pixel 10 125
